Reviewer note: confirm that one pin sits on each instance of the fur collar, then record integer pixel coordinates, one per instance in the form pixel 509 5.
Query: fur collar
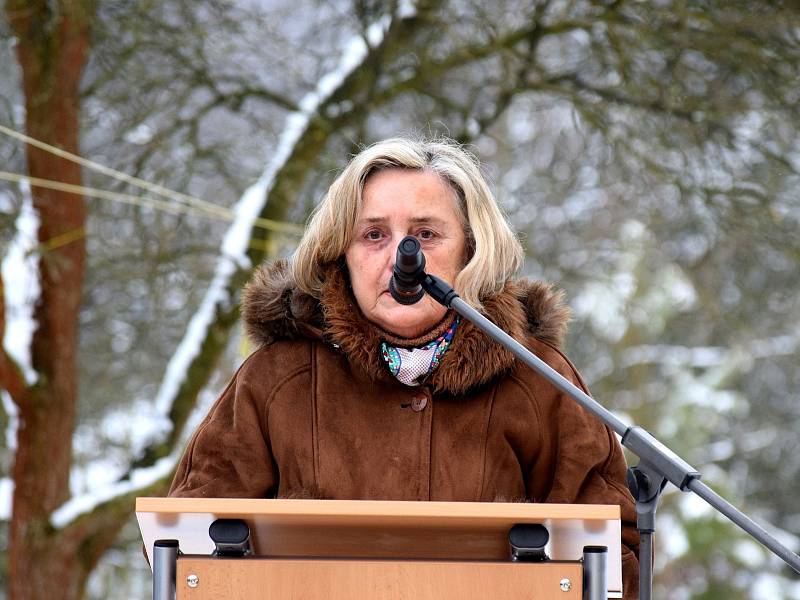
pixel 274 309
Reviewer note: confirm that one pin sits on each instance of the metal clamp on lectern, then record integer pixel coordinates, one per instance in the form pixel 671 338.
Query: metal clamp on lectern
pixel 528 542
pixel 231 537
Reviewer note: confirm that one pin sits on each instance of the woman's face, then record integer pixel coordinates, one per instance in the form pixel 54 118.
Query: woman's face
pixel 397 203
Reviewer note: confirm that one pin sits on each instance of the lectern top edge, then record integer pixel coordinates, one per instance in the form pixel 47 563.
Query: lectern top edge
pixel 378 508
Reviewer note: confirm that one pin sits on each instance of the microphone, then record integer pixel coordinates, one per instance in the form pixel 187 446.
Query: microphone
pixel 409 267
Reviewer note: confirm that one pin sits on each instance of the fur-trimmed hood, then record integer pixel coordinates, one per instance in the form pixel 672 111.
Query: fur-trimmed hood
pixel 274 309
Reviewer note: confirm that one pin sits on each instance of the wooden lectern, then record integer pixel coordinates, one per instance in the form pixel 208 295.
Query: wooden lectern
pixel 346 549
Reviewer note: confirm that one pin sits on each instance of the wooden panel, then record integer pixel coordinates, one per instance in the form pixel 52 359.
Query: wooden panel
pixel 378 512
pixel 268 579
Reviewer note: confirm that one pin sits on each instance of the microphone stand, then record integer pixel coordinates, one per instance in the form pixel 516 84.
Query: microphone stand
pixel 657 463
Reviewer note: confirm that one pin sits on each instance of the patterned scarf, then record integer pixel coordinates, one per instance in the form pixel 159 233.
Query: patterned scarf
pixel 412 365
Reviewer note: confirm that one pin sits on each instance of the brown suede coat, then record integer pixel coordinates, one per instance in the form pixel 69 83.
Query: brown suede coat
pixel 314 412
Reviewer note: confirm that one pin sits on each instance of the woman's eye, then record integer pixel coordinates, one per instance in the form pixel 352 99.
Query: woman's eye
pixel 426 234
pixel 373 235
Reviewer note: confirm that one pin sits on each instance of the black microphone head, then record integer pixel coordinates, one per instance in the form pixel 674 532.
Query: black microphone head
pixel 410 261
pixel 408 271
pixel 408 249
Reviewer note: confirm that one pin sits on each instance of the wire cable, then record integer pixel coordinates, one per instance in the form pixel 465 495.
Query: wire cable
pixel 71 236
pixel 223 213
pixel 182 199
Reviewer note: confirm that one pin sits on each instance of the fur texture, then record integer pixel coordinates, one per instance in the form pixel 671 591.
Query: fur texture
pixel 274 309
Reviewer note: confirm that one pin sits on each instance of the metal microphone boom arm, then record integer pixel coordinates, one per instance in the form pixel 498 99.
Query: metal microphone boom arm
pixel 658 464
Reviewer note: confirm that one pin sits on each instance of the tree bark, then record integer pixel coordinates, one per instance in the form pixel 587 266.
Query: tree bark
pixel 53 41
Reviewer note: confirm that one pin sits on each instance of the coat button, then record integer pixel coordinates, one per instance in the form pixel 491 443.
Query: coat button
pixel 418 403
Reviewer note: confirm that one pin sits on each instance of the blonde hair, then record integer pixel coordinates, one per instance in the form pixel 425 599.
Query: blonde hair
pixel 494 252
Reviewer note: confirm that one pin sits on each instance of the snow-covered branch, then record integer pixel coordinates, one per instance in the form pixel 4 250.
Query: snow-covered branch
pixel 6 483
pixel 21 288
pixel 103 487
pixel 248 209
pixel 138 480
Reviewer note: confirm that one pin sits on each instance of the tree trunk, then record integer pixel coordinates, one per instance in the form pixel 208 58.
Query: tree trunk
pixel 52 49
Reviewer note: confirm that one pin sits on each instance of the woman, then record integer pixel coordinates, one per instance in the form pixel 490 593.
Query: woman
pixel 354 396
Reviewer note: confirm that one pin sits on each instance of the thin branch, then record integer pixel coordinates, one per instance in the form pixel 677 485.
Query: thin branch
pixel 246 90
pixel 575 85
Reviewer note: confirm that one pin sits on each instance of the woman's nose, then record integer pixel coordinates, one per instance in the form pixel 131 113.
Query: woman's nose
pixel 390 254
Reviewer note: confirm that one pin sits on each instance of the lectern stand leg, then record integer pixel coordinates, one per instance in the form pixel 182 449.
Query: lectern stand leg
pixel 595 585
pixel 165 559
